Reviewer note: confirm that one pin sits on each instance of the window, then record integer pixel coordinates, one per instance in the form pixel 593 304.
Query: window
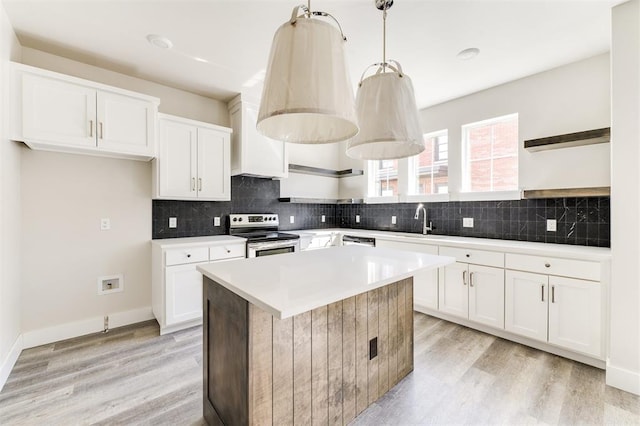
pixel 490 155
pixel 385 178
pixel 428 171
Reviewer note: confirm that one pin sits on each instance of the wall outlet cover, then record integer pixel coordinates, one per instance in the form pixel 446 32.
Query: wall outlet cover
pixel 292 219
pixel 393 220
pixel 216 221
pixel 105 224
pixel 173 222
pixel 357 218
pixel 552 225
pixel 467 222
pixel 323 219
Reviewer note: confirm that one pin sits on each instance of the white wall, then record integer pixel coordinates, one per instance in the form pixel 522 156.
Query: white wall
pixel 567 99
pixel 623 367
pixel 324 156
pixel 64 196
pixel 10 289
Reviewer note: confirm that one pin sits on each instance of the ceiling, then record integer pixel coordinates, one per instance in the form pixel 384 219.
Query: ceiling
pixel 516 38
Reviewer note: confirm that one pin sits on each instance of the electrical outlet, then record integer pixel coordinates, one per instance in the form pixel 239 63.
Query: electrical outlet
pixel 357 218
pixel 292 219
pixel 323 219
pixel 216 221
pixel 173 222
pixel 393 220
pixel 105 224
pixel 551 225
pixel 467 222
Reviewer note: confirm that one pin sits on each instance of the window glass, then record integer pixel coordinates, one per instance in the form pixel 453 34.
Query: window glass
pixel 385 178
pixel 428 170
pixel 490 155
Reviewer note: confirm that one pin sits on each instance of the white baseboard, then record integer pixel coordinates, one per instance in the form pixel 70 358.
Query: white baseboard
pixel 70 330
pixel 10 361
pixel 624 379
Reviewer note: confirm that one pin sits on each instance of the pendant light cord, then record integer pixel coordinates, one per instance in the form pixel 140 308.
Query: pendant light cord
pixel 384 37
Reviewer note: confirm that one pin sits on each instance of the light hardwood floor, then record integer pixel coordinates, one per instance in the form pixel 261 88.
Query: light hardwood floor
pixel 132 375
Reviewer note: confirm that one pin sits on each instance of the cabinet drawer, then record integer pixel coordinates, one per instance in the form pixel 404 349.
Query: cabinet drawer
pixel 554 266
pixel 226 251
pixel 477 257
pixel 186 255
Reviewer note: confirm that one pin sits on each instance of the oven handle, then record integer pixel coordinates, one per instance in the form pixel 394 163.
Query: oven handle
pixel 276 244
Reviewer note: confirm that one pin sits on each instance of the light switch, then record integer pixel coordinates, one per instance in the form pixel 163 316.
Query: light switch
pixel 357 218
pixel 393 220
pixel 467 222
pixel 173 222
pixel 216 221
pixel 551 225
pixel 105 224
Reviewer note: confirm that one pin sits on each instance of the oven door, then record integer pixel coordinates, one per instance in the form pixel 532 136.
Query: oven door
pixel 268 248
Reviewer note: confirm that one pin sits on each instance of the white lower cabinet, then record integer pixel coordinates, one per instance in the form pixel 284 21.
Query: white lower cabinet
pixel 425 283
pixel 566 312
pixel 473 291
pixel 176 283
pixel 183 293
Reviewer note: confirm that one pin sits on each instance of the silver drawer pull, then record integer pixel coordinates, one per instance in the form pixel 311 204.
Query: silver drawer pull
pixel 547 265
pixel 468 255
pixel 188 255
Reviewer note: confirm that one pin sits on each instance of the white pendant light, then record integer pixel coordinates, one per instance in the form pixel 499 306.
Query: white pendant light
pixel 307 95
pixel 386 110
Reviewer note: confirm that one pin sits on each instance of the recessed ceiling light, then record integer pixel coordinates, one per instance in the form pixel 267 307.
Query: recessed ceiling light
pixel 469 53
pixel 159 41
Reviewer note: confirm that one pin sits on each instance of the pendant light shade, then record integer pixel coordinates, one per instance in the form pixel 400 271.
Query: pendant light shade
pixel 388 118
pixel 307 95
pixel 386 110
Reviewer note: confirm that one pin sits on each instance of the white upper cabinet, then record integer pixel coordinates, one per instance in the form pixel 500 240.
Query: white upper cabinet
pixel 193 160
pixel 56 112
pixel 252 153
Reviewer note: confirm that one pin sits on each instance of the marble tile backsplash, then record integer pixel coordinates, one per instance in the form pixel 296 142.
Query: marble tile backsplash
pixel 580 221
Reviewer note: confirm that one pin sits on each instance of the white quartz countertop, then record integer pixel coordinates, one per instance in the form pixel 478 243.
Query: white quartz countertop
pixel 289 284
pixel 524 247
pixel 195 241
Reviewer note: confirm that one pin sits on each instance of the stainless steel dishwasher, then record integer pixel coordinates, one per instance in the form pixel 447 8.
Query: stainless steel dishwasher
pixel 349 240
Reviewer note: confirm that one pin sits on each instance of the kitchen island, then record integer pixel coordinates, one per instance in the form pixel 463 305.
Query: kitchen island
pixel 310 337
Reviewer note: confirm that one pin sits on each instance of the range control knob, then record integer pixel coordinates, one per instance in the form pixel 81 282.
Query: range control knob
pixel 239 219
pixel 235 219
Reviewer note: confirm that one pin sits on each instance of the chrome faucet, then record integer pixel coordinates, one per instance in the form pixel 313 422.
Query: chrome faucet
pixel 425 229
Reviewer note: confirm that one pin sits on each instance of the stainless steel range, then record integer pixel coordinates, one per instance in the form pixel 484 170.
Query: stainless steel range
pixel 261 232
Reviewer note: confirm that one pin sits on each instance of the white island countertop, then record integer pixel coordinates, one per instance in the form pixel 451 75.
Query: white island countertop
pixel 289 284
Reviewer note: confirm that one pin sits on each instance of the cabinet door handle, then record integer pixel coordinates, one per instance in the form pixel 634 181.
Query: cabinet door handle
pixel 471 279
pixel 90 128
pixel 188 255
pixel 193 184
pixel 199 184
pixel 553 294
pixel 101 133
pixel 547 265
pixel 464 277
pixel 542 292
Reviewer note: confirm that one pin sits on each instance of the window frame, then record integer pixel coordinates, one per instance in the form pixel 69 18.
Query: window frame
pixel 466 194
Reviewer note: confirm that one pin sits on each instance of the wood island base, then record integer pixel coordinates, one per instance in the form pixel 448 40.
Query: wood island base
pixel 324 366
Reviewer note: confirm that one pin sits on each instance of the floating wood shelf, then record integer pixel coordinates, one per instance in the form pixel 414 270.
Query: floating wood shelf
pixel 601 191
pixel 588 137
pixel 305 200
pixel 317 171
